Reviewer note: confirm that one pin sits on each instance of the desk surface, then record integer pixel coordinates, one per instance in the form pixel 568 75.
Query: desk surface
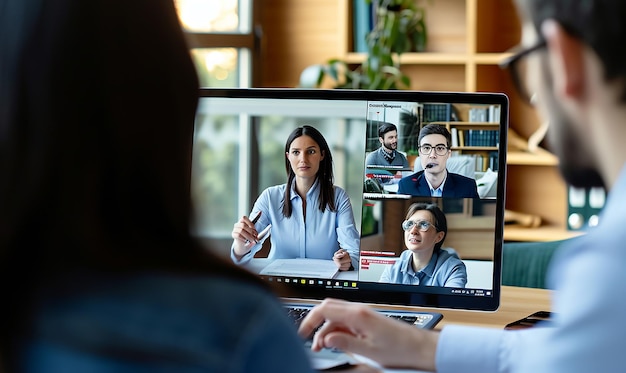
pixel 516 303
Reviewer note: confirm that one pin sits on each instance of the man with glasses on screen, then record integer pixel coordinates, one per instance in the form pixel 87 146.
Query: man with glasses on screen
pixel 435 180
pixel 573 64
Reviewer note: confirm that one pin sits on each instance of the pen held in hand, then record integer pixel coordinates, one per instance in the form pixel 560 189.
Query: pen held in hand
pixel 265 232
pixel 262 235
pixel 254 220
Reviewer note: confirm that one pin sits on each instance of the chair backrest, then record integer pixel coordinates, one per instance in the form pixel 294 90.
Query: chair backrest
pixel 525 264
pixel 459 164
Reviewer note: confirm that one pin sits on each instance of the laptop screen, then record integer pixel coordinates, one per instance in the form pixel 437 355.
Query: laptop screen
pixel 417 202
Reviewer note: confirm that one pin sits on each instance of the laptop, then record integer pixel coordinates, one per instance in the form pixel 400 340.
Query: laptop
pixel 239 151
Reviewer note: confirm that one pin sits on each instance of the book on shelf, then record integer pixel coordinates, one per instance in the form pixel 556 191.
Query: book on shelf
pixel 475 137
pixel 437 113
pixel 484 114
pixel 493 160
pixel 361 23
pixel 486 162
pixel 454 133
pixel 461 135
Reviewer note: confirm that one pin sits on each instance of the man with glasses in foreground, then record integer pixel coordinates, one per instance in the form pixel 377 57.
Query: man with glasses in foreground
pixel 575 68
pixel 435 180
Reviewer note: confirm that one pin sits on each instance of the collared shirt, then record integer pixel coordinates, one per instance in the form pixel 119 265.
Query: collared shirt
pixel 586 331
pixel 439 191
pixel 377 158
pixel 443 269
pixel 323 233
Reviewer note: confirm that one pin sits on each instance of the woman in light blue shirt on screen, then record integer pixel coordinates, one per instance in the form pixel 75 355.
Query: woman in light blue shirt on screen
pixel 425 262
pixel 310 217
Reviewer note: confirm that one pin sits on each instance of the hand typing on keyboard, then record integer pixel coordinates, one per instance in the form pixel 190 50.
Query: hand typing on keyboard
pixel 357 328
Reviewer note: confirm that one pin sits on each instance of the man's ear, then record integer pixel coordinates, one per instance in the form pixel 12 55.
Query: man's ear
pixel 566 61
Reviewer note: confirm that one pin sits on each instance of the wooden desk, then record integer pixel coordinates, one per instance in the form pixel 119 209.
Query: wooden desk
pixel 516 303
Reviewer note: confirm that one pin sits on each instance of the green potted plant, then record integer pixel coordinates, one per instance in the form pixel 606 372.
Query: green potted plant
pixel 399 28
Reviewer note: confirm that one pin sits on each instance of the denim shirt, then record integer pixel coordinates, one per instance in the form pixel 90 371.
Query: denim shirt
pixel 159 323
pixel 443 269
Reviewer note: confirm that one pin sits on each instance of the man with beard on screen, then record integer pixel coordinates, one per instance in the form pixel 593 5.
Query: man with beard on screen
pixel 388 154
pixel 572 64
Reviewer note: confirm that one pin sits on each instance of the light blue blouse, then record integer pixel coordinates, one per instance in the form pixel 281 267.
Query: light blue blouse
pixel 444 269
pixel 323 233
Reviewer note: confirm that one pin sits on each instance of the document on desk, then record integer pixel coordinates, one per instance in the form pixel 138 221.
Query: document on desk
pixel 305 267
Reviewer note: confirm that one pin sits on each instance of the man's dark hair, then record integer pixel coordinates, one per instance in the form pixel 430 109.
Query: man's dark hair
pixel 324 175
pixel 434 129
pixel 441 223
pixel 599 24
pixel 386 127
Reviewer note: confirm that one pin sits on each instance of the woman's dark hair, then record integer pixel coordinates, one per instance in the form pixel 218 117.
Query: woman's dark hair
pixel 97 104
pixel 598 23
pixel 441 223
pixel 434 129
pixel 324 174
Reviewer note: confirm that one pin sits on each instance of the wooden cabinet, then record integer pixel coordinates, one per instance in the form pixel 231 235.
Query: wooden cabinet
pixel 467 39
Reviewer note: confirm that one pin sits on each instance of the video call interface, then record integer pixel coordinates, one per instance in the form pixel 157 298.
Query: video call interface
pixel 239 152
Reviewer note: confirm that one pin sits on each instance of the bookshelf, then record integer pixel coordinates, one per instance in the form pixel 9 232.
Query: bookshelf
pixel 474 131
pixel 467 40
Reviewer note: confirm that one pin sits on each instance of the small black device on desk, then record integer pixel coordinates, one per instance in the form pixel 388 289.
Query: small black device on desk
pixel 529 321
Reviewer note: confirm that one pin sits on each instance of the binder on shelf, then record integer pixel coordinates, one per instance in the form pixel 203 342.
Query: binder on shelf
pixel 584 206
pixel 454 133
pixel 437 113
pixel 362 21
pixel 485 114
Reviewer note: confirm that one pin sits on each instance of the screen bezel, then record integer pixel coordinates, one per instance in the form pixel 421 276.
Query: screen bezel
pixel 430 298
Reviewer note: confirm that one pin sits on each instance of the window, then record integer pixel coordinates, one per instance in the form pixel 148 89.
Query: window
pixel 222 40
pixel 239 151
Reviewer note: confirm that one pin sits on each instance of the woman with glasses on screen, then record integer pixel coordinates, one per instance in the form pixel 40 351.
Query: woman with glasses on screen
pixel 309 216
pixel 425 262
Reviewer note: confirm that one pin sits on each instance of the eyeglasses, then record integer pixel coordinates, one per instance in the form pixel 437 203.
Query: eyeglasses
pixel 517 67
pixel 422 225
pixel 439 149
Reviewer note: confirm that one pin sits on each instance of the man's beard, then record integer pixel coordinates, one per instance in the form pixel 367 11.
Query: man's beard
pixel 576 175
pixel 390 146
pixel 571 150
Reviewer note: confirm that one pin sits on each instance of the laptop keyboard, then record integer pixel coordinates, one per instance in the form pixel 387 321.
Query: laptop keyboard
pixel 330 358
pixel 418 319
